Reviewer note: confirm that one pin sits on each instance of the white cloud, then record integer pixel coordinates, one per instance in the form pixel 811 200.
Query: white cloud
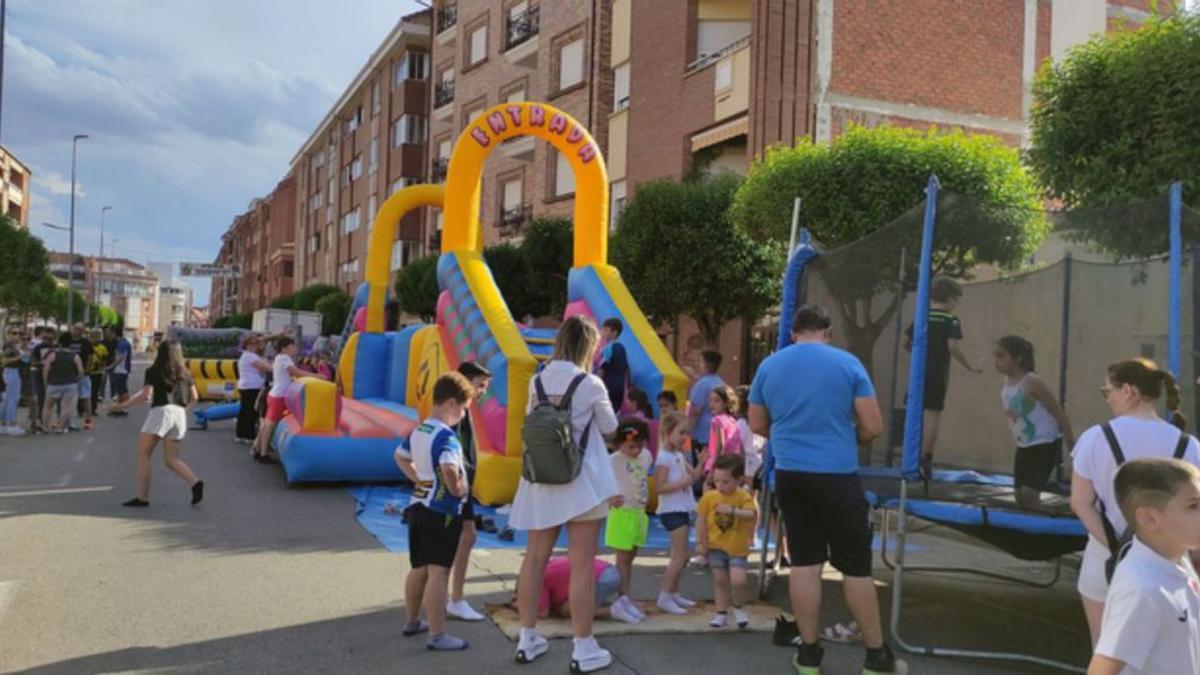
pixel 55 184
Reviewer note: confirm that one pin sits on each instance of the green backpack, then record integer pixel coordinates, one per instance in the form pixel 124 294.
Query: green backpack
pixel 551 455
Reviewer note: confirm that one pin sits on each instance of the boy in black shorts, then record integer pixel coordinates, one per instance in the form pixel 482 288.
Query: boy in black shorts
pixel 945 332
pixel 458 607
pixel 432 458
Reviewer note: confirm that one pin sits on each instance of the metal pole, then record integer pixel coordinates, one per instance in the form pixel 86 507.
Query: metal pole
pixel 890 451
pixel 3 15
pixel 1175 293
pixel 795 226
pixel 71 246
pixel 1064 348
pixel 910 462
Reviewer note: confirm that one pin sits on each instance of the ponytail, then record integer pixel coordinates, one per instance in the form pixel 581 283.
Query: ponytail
pixel 1171 387
pixel 1150 382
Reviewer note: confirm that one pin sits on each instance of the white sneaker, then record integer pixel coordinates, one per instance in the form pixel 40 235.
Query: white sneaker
pixel 699 561
pixel 667 604
pixel 588 656
pixel 740 618
pixel 14 431
pixel 682 601
pixel 530 646
pixel 463 611
pixel 633 608
pixel 622 612
pixel 719 620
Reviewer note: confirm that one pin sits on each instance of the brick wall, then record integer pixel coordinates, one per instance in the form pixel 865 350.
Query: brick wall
pixel 487 83
pixel 666 105
pixel 961 56
pixel 781 46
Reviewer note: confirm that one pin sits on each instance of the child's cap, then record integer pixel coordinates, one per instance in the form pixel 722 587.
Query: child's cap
pixel 632 429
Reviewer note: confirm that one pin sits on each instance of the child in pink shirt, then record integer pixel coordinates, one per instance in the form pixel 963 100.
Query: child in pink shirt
pixel 557 581
pixel 724 437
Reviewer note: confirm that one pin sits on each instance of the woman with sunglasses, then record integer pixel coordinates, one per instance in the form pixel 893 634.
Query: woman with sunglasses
pixel 12 356
pixel 1132 390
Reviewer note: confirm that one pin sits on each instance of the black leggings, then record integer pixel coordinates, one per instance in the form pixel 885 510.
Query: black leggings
pixel 247 419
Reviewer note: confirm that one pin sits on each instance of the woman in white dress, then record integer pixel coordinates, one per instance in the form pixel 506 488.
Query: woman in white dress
pixel 1132 390
pixel 582 504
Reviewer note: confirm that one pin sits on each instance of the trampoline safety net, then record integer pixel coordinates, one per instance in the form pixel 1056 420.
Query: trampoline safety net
pixel 1046 276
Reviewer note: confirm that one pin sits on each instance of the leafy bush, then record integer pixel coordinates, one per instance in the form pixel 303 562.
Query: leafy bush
pixel 417 288
pixel 334 308
pixel 306 298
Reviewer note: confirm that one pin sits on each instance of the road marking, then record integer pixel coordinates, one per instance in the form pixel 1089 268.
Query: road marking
pixel 63 491
pixel 79 457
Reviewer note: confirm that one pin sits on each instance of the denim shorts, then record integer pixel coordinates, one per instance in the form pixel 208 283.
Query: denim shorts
pixel 608 584
pixel 674 520
pixel 719 560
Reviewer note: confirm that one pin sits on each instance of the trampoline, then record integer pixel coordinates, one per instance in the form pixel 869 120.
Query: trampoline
pixel 876 286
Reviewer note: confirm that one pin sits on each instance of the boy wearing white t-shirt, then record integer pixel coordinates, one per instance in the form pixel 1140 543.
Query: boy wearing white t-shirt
pixel 283 369
pixel 1152 616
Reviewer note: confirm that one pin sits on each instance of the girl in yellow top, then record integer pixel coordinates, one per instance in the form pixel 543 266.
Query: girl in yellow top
pixel 725 519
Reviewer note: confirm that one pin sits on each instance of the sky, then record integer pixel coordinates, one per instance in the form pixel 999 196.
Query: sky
pixel 193 108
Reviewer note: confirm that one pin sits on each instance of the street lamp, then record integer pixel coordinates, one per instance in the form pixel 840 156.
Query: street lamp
pixel 71 270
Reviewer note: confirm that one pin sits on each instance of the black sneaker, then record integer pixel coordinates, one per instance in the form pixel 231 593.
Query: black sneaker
pixel 786 633
pixel 881 660
pixel 807 660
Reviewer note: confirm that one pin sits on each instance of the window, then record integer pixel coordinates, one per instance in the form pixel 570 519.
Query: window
pixel 314 242
pixel 319 158
pixel 478 45
pixel 353 121
pixel 412 66
pixel 444 149
pixel 570 64
pixel 372 209
pixel 356 168
pixel 513 194
pixel 564 177
pixel 408 129
pixel 723 78
pixel 349 222
pixel 400 184
pixel 404 252
pixel 616 194
pixel 373 156
pixel 288 269
pixel 713 36
pixel 375 105
pixel 471 115
pixel 621 87
pixel 515 96
pixel 349 268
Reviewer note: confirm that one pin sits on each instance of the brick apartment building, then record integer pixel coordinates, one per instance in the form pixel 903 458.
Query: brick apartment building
pixel 261 242
pixel 370 144
pixel 14 188
pixel 128 288
pixel 711 84
pixel 486 53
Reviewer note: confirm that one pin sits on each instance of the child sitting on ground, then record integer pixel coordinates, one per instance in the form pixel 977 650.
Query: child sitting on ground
pixel 627 523
pixel 725 521
pixel 432 458
pixel 556 582
pixel 673 478
pixel 1152 617
pixel 723 435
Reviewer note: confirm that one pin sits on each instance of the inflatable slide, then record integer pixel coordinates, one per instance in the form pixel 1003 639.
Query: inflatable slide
pixel 387 377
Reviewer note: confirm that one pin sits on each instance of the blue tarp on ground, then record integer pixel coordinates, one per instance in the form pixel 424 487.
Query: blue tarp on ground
pixel 391 531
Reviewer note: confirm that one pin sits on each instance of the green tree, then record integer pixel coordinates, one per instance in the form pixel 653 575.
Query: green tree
pixel 306 298
pixel 869 178
pixel 510 269
pixel 284 302
pixel 681 254
pixel 549 249
pixel 417 288
pixel 334 308
pixel 1116 121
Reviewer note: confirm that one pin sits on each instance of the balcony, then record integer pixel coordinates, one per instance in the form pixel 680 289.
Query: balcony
pixel 437 174
pixel 447 18
pixel 443 98
pixel 520 38
pixel 513 220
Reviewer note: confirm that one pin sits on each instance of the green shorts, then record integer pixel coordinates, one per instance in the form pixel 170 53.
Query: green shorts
pixel 626 528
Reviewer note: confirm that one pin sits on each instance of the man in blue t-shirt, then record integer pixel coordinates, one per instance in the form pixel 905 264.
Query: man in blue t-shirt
pixel 119 367
pixel 816 404
pixel 699 414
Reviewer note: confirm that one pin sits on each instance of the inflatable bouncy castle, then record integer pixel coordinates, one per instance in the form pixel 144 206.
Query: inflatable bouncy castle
pixel 387 377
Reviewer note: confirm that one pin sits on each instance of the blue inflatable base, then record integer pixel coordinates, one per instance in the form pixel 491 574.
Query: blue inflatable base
pixel 214 413
pixel 333 459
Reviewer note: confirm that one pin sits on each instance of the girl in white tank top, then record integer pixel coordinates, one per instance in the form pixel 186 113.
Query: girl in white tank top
pixel 1037 421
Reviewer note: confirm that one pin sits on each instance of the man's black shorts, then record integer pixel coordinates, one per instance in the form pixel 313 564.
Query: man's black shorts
pixel 432 537
pixel 827 518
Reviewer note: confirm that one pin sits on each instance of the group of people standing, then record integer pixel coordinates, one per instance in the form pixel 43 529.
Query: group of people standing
pixel 266 368
pixel 61 377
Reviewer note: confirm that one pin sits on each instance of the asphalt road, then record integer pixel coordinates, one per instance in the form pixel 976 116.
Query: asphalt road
pixel 265 578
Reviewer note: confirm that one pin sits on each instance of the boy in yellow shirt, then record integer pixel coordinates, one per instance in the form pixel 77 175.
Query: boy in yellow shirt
pixel 725 519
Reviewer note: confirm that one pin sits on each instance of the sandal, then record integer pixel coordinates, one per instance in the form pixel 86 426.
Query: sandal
pixel 843 633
